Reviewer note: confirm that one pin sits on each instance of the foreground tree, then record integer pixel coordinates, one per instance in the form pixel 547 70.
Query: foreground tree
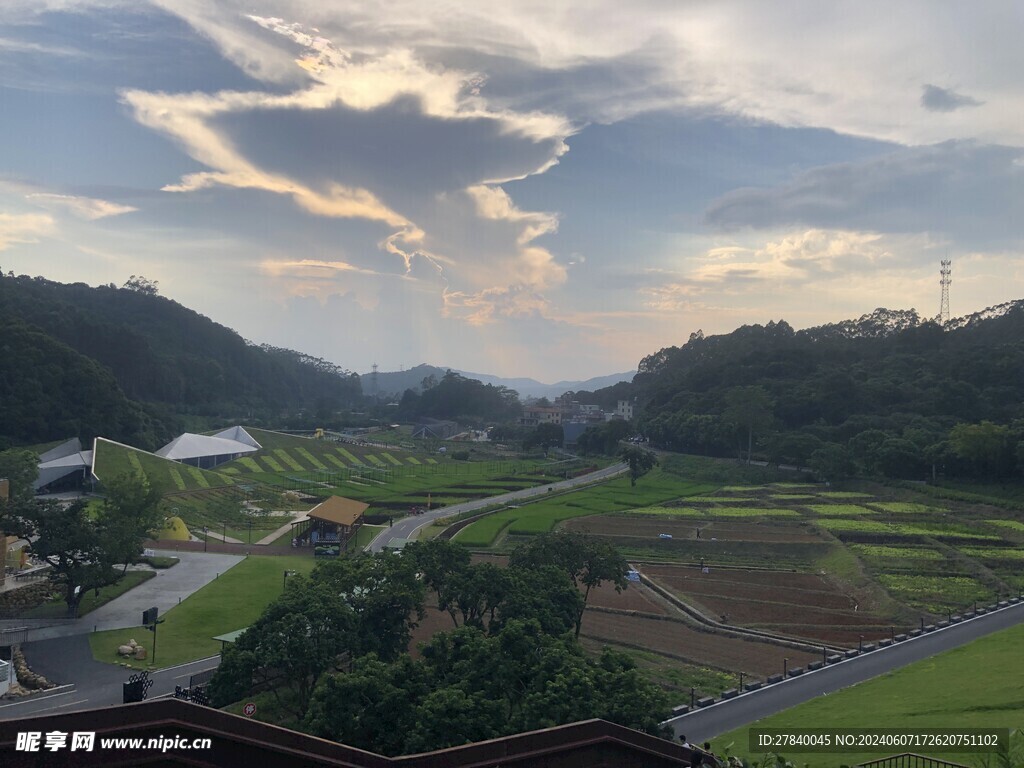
pixel 297 639
pixel 586 561
pixel 70 541
pixel 129 514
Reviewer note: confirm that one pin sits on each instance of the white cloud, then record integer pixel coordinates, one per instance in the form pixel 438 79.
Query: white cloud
pixel 89 208
pixel 23 228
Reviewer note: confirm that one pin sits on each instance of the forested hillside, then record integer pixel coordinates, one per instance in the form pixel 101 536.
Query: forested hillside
pixel 889 393
pixel 174 363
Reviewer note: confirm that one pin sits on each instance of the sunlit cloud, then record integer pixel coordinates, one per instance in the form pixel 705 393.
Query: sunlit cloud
pixel 23 228
pixel 88 208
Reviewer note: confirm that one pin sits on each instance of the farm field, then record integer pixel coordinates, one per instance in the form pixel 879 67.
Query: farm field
pixel 614 495
pixel 914 697
pixel 934 557
pixel 682 641
pixel 803 605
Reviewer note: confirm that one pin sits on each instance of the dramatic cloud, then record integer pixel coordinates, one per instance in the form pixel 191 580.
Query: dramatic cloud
pixel 969 192
pixel 939 99
pixel 404 168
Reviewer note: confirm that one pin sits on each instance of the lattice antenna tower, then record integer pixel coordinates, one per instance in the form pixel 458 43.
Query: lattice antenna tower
pixel 944 281
pixel 374 387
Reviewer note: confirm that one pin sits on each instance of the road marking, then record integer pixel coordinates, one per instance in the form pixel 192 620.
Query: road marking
pixel 37 698
pixel 70 703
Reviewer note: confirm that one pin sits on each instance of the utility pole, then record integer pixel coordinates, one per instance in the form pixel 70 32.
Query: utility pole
pixel 945 279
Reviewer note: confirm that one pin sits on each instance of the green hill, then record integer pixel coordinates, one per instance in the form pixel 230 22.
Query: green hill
pixel 134 366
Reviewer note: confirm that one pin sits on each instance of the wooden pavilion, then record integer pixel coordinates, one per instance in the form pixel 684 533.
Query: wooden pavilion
pixel 330 524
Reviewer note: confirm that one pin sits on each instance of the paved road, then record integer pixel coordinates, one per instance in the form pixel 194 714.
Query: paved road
pixel 165 590
pixel 706 724
pixel 407 527
pixel 96 684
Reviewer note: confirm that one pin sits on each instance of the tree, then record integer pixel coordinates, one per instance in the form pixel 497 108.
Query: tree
pixel 130 512
pixel 384 593
pixel 832 462
pixel 748 409
pixel 140 284
pixel 640 461
pixel 70 541
pixel 21 468
pixel 987 446
pixel 586 561
pixel 372 707
pixel 296 640
pixel 544 436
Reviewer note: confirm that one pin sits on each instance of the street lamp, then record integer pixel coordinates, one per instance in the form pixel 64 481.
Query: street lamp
pixel 860 644
pixel 284 581
pixel 206 537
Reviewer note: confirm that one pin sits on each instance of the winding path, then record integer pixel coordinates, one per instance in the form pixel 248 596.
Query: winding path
pixel 408 527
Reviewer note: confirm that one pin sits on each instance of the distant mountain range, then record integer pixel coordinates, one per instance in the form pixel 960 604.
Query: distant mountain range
pixel 396 382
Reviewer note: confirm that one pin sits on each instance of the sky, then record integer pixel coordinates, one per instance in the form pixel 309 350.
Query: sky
pixel 543 189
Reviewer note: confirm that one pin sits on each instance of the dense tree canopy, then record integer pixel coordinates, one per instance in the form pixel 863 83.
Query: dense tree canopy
pixel 901 396
pixel 511 662
pixel 462 399
pixel 131 365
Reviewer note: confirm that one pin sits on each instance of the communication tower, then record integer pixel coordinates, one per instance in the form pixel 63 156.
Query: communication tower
pixel 374 390
pixel 944 281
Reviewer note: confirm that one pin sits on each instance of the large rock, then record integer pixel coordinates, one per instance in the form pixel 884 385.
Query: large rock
pixel 125 650
pixel 140 653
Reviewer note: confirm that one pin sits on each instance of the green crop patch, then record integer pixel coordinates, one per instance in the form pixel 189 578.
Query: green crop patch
pixel 412 460
pixel 375 460
pixel 179 481
pixel 250 463
pixel 904 529
pixel 896 553
pixel 903 507
pixel 792 496
pixel 286 458
pixel 840 509
pixel 936 594
pixel 197 475
pixel 994 553
pixel 309 457
pixel 843 495
pixel 391 458
pixel 1013 525
pixel 717 499
pixel 714 512
pixel 347 455
pixel 335 461
pixel 133 460
pixel 271 462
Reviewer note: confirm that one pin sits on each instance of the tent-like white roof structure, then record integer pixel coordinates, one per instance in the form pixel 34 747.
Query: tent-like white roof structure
pixel 63 460
pixel 191 446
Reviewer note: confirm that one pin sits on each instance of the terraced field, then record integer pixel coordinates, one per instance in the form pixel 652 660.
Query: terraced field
pixel 803 605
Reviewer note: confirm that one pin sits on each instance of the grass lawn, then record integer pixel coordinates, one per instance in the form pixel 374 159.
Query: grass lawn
pixel 365 535
pixel 975 686
pixel 233 601
pixel 90 601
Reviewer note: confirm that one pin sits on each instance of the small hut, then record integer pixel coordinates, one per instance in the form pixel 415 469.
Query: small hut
pixel 329 525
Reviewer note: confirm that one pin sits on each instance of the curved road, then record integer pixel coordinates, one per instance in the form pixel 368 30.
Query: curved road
pixel 705 724
pixel 407 527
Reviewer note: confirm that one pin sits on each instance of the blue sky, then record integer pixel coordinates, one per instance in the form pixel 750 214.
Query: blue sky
pixel 538 189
